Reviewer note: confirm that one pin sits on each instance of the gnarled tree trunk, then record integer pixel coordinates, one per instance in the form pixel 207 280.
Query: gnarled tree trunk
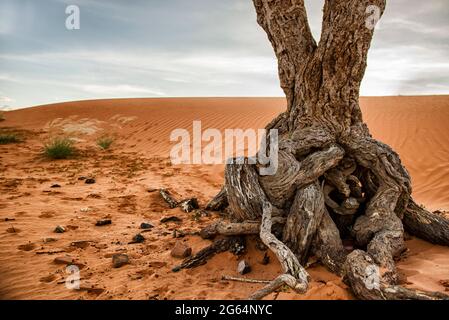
pixel 334 180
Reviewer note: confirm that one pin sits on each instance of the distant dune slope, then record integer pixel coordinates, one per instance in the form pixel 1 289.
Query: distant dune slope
pixel 416 127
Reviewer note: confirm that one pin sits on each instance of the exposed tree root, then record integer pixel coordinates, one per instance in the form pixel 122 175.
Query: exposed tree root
pixel 236 228
pixel 289 262
pixel 283 279
pixel 426 225
pixel 219 202
pixel 235 244
pixel 366 280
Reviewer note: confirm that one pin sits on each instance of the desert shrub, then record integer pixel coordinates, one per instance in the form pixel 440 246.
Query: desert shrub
pixel 2 116
pixel 59 148
pixel 105 142
pixel 6 138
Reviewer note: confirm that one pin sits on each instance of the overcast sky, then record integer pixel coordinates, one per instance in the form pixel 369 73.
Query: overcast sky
pixel 167 48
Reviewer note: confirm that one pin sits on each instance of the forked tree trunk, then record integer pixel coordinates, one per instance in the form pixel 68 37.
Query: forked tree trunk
pixel 334 180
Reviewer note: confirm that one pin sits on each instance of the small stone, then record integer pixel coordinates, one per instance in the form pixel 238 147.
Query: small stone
pixel 89 181
pixel 189 205
pixel 59 229
pixel 12 230
pixel 103 222
pixel 138 238
pixel 243 267
pixel 180 250
pixel 82 178
pixel 90 288
pixel 64 260
pixel 145 225
pixel 157 264
pixel 119 260
pixel 171 219
pixel 265 259
pixel 48 240
pixel 80 244
pixel 55 186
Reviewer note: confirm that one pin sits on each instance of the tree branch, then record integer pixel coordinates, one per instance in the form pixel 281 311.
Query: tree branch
pixel 347 31
pixel 285 22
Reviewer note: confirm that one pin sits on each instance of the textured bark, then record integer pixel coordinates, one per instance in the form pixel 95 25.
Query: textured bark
pixel 232 229
pixel 219 202
pixel 303 220
pixel 426 225
pixel 333 180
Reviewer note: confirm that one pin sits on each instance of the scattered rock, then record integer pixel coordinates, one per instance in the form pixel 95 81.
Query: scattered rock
pixel 90 288
pixel 180 250
pixel 157 264
pixel 48 240
pixel 119 260
pixel 12 230
pixel 82 244
pixel 243 267
pixel 189 205
pixel 64 260
pixel 55 186
pixel 9 219
pixel 84 210
pixel 171 219
pixel 89 181
pixel 145 225
pixel 103 222
pixel 82 178
pixel 94 195
pixel 50 251
pixel 138 238
pixel 27 247
pixel 59 229
pixel 265 259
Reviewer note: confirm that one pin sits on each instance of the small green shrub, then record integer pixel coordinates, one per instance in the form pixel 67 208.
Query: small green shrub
pixel 8 138
pixel 105 142
pixel 59 148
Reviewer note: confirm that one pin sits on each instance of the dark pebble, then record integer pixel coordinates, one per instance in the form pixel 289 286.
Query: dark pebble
pixel 103 222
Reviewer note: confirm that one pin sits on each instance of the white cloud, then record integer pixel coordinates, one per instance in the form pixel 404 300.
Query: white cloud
pixel 122 89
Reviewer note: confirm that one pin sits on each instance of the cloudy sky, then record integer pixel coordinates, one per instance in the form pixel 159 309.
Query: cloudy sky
pixel 155 48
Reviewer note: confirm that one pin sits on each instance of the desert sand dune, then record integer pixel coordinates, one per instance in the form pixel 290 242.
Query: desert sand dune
pixel 138 163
